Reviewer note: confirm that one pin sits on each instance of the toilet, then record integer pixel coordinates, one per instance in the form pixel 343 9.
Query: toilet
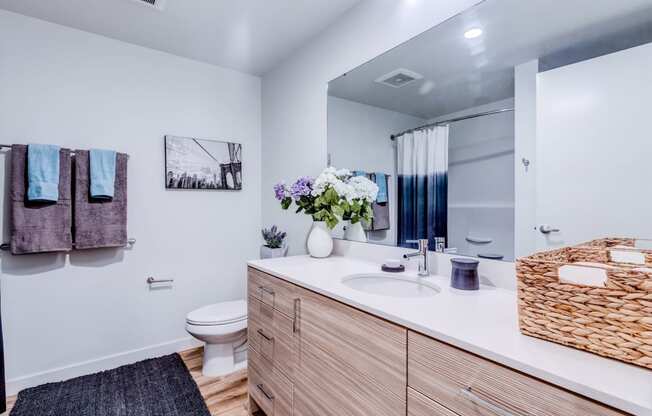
pixel 223 328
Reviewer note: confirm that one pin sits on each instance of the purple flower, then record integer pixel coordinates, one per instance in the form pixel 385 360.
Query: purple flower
pixel 302 187
pixel 280 191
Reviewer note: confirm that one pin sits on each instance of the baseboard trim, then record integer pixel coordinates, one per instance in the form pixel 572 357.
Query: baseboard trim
pixel 100 364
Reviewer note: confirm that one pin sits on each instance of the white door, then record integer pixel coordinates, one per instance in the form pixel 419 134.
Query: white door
pixel 594 149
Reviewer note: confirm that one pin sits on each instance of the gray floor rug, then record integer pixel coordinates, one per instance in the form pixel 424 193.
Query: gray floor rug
pixel 157 387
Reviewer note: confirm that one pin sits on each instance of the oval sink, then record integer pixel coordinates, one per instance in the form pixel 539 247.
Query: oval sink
pixel 391 285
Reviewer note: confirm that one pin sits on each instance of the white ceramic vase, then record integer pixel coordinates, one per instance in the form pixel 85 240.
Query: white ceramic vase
pixel 320 240
pixel 355 232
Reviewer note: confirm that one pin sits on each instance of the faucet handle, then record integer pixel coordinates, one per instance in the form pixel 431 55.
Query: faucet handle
pixel 422 242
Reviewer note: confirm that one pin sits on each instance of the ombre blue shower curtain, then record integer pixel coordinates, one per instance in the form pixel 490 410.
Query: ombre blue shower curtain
pixel 422 166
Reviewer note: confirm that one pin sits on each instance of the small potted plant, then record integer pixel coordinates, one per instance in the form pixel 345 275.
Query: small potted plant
pixel 274 243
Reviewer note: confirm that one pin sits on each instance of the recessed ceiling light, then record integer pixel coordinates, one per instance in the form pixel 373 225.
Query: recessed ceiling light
pixel 473 33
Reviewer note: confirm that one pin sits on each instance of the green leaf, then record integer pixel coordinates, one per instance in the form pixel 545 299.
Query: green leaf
pixel 331 221
pixel 286 202
pixel 321 215
pixel 330 196
pixel 338 211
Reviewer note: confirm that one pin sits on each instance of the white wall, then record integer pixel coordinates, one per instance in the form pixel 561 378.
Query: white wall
pixel 593 148
pixel 295 93
pixel 359 139
pixel 59 85
pixel 481 180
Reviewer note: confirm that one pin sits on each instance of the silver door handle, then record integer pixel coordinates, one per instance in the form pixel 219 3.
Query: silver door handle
pixel 264 335
pixel 546 229
pixel 475 399
pixel 269 396
pixel 266 290
pixel 295 321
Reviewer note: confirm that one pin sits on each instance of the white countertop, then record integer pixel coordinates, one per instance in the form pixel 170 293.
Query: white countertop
pixel 484 322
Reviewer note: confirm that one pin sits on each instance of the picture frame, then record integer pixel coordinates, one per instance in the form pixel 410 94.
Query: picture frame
pixel 202 164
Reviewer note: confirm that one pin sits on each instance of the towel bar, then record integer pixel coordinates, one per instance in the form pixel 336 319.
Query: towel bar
pixel 8 146
pixel 7 246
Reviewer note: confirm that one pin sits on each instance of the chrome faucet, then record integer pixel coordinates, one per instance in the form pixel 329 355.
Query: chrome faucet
pixel 440 246
pixel 424 269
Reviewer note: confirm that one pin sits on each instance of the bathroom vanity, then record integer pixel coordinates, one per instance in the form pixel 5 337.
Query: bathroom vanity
pixel 319 346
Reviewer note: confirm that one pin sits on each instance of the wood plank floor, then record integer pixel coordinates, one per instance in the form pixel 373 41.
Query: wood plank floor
pixel 224 396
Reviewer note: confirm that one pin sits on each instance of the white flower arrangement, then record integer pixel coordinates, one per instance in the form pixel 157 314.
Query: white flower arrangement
pixel 363 189
pixel 333 196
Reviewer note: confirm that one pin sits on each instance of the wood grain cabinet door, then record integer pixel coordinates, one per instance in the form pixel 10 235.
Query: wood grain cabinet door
pixel 472 386
pixel 349 362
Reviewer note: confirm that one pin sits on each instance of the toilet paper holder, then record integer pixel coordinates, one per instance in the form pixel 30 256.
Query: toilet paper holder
pixel 152 280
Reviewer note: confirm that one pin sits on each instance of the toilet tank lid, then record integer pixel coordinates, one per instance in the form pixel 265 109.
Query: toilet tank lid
pixel 219 313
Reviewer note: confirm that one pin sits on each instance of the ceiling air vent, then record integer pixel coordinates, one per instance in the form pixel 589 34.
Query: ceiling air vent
pixel 157 4
pixel 399 78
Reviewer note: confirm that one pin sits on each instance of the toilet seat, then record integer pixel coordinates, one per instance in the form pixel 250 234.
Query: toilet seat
pixel 223 313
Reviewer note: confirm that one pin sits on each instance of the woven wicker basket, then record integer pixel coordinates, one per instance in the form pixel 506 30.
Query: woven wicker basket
pixel 614 321
pixel 616 242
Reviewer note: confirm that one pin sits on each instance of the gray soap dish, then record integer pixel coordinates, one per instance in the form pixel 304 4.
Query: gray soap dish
pixel 491 256
pixel 388 269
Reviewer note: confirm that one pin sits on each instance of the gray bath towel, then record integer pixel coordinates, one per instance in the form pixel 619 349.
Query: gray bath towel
pixel 38 227
pixel 381 220
pixel 99 222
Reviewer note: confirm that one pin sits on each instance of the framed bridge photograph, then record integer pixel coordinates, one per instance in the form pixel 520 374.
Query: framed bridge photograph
pixel 192 163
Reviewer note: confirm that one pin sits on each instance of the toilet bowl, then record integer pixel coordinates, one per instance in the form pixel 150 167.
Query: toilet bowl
pixel 223 328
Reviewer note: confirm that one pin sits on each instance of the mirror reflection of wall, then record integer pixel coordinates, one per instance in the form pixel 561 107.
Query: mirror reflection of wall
pixel 500 129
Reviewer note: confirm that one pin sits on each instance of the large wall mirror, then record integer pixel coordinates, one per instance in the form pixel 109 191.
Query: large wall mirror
pixel 514 127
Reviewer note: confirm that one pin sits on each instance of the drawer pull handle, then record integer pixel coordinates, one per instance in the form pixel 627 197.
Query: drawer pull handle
pixel 474 398
pixel 269 396
pixel 262 334
pixel 295 321
pixel 265 289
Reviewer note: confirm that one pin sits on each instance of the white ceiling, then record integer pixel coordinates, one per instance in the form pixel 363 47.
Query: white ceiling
pixel 246 35
pixel 461 73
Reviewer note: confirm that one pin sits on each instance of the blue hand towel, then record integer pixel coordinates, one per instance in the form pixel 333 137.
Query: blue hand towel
pixel 359 173
pixel 381 181
pixel 102 164
pixel 43 172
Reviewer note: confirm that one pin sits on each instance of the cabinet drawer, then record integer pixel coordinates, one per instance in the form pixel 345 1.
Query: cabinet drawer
pixel 270 389
pixel 472 386
pixel 272 335
pixel 272 291
pixel 420 405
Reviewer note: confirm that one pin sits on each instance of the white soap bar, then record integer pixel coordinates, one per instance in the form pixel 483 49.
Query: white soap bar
pixel 629 256
pixel 393 263
pixel 581 275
